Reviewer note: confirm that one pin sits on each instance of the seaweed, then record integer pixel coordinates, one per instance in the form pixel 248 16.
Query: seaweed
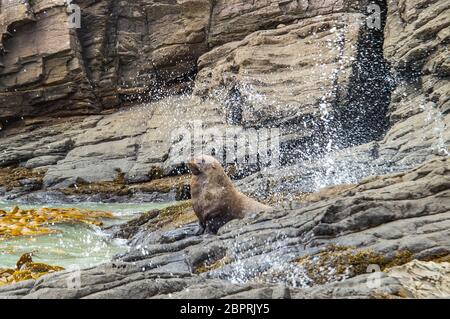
pixel 26 269
pixel 33 222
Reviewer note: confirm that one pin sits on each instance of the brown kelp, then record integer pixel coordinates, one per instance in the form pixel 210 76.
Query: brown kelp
pixel 32 222
pixel 26 269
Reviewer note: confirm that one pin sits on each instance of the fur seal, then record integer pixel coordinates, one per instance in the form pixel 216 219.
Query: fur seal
pixel 215 200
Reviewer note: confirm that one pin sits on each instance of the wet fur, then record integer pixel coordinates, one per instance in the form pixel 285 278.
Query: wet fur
pixel 215 199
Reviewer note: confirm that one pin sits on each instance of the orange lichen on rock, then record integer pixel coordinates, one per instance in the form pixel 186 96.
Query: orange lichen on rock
pixel 18 222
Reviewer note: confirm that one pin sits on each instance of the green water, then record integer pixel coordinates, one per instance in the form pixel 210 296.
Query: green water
pixel 77 245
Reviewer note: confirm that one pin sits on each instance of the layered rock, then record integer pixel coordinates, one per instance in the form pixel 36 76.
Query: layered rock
pixel 140 50
pixel 267 78
pixel 122 50
pixel 159 43
pixel 350 101
pixel 322 80
pixel 424 280
pixel 233 20
pixel 414 45
pixel 385 221
pixel 42 70
pixel 136 144
pixel 421 135
pixel 286 73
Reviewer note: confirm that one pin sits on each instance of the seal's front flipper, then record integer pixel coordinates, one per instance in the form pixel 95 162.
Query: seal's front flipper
pixel 200 230
pixel 213 224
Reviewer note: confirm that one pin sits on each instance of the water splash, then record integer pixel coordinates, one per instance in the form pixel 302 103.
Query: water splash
pixel 270 262
pixel 434 117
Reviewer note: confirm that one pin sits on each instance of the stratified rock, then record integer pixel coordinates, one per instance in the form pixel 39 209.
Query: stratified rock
pixel 221 289
pixel 40 62
pixel 234 20
pixel 268 78
pixel 424 279
pixel 159 43
pixel 415 279
pixel 416 35
pixel 390 219
pixel 416 44
pixel 14 13
pixel 284 75
pixel 322 80
pixel 135 142
pixel 122 50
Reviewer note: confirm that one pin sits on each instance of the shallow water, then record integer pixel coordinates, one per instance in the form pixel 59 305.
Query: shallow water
pixel 77 245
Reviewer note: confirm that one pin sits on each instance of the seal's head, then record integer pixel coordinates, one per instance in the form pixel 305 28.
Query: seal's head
pixel 215 200
pixel 203 164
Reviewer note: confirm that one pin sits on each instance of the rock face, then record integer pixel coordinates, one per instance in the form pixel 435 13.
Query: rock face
pixel 40 65
pixel 234 20
pixel 306 79
pixel 414 45
pixel 319 74
pixel 279 66
pixel 120 50
pixel 348 99
pixel 433 279
pixel 99 148
pixel 387 221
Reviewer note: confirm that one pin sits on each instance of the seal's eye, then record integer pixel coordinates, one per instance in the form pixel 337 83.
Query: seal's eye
pixel 203 161
pixel 195 170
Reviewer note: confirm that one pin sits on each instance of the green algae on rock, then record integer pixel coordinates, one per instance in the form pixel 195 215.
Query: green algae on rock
pixel 337 263
pixel 119 187
pixel 171 217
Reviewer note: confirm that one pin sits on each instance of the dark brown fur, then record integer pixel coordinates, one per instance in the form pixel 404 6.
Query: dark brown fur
pixel 215 200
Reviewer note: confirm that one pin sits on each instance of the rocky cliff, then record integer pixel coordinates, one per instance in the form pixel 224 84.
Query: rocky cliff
pixel 95 112
pixel 315 71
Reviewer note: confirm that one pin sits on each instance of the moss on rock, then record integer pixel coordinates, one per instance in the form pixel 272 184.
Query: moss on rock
pixel 337 263
pixel 118 187
pixel 11 177
pixel 212 265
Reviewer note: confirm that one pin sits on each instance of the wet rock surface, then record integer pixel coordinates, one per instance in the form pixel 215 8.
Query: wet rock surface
pixel 387 108
pixel 349 102
pixel 258 257
pixel 267 64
